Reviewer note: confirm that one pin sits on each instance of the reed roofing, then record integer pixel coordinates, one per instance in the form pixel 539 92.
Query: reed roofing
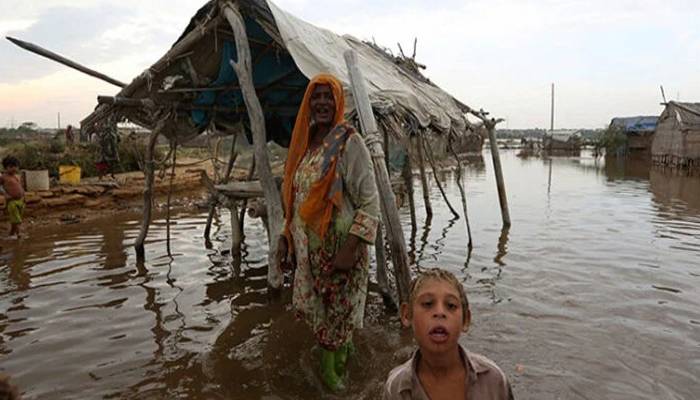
pixel 195 80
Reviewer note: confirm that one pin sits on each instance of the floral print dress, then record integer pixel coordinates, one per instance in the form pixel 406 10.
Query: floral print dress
pixel 333 302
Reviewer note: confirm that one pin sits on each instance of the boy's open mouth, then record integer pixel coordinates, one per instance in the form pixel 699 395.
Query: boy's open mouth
pixel 438 334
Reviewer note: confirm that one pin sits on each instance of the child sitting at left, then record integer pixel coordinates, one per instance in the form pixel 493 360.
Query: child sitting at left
pixel 14 193
pixel 8 391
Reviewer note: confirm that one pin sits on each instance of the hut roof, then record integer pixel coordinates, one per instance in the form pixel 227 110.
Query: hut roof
pixel 687 114
pixel 564 135
pixel 639 124
pixel 195 80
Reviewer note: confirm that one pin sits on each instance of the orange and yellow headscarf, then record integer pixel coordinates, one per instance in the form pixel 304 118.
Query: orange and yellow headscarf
pixel 316 211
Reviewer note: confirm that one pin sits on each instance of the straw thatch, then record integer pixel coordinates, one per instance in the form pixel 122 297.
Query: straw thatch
pixel 677 138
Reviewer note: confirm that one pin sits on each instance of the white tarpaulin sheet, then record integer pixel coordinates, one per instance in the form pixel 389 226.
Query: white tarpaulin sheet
pixel 316 50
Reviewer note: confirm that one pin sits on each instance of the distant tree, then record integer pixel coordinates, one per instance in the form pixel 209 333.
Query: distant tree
pixel 28 126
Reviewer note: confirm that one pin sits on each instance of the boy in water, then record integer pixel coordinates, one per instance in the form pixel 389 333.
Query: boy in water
pixel 14 193
pixel 438 311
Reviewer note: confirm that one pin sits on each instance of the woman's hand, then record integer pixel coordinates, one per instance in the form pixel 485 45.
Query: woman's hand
pixel 346 257
pixel 285 262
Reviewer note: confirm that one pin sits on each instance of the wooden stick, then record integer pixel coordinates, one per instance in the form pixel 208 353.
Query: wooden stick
pixel 407 174
pixel 170 194
pixel 149 170
pixel 382 276
pixel 423 179
pixel 431 161
pixel 502 199
pixel 462 192
pixel 212 207
pixel 236 237
pixel 388 200
pixel 62 60
pixel 244 73
pixel 241 217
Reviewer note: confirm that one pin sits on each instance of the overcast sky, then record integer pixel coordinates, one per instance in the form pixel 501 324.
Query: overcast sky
pixel 607 58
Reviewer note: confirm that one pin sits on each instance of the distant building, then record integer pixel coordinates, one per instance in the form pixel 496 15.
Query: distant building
pixel 677 139
pixel 562 140
pixel 639 131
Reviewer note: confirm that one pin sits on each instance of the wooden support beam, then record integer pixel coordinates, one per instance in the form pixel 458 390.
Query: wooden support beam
pixel 462 192
pixel 407 175
pixel 60 59
pixel 382 276
pixel 149 171
pixel 243 69
pixel 390 213
pixel 431 160
pixel 500 184
pixel 423 176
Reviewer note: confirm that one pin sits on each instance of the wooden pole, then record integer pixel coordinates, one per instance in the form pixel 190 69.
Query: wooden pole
pixel 382 276
pixel 462 192
pixel 149 170
pixel 431 160
pixel 212 207
pixel 390 213
pixel 241 216
pixel 500 184
pixel 243 69
pixel 170 195
pixel 236 238
pixel 60 59
pixel 423 179
pixel 407 174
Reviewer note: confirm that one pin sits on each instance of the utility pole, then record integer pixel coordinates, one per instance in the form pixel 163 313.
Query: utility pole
pixel 59 121
pixel 551 122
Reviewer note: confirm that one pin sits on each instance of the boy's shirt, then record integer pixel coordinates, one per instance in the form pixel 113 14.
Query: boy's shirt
pixel 485 380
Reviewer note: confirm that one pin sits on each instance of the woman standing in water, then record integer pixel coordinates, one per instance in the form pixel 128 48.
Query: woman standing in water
pixel 331 214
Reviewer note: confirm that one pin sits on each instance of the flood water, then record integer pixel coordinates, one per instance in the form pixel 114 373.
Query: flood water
pixel 594 293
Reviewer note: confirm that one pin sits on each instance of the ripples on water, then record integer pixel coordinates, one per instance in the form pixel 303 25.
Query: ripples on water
pixel 592 294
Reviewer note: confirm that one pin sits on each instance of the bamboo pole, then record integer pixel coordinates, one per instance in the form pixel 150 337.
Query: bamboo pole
pixel 388 200
pixel 149 170
pixel 243 69
pixel 423 179
pixel 431 161
pixel 62 60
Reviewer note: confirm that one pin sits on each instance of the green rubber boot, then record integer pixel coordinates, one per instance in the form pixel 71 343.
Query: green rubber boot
pixel 341 359
pixel 328 371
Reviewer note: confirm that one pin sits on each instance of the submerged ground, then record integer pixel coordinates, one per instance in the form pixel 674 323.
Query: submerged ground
pixel 592 294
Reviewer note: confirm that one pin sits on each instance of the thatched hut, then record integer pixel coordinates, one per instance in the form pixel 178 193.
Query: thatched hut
pixel 567 140
pixel 639 131
pixel 235 51
pixel 677 139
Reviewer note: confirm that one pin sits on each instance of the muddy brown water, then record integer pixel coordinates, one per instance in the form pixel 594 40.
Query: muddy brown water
pixel 592 294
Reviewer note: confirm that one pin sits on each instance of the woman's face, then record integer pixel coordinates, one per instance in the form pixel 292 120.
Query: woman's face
pixel 322 105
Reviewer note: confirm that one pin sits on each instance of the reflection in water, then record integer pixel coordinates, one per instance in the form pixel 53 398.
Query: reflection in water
pixel 189 327
pixel 502 247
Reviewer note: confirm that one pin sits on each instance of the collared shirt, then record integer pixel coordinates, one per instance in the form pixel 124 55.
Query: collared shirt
pixel 484 381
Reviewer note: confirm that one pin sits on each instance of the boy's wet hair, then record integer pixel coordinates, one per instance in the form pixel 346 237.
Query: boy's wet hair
pixel 438 274
pixel 10 161
pixel 8 391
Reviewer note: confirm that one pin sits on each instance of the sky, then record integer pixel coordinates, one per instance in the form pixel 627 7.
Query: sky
pixel 607 58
